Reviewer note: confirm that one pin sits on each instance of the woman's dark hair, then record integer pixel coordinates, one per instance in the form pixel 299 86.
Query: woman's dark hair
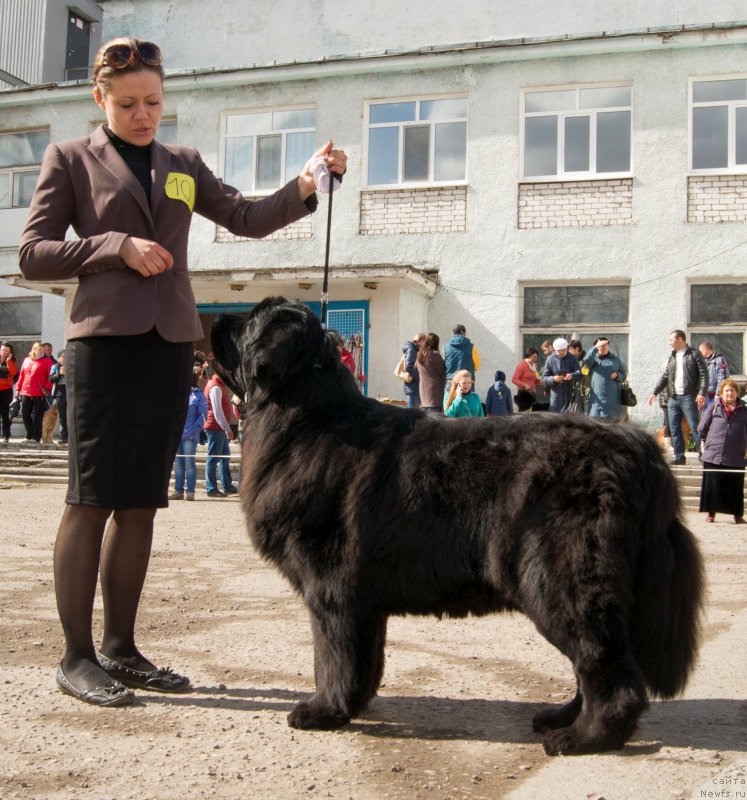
pixel 103 74
pixel 576 345
pixel 9 346
pixel 533 351
pixel 431 345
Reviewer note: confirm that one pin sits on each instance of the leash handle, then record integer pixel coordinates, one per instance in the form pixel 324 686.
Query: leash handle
pixel 325 282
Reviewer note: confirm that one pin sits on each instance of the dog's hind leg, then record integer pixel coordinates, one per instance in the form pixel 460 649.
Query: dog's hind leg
pixel 611 696
pixel 348 666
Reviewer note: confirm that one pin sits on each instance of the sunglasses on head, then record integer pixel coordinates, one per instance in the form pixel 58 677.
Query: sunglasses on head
pixel 121 56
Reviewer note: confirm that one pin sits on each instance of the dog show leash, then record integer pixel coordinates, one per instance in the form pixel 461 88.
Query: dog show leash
pixel 327 184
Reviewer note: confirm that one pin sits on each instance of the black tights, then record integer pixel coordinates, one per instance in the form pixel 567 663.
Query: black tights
pixel 6 397
pixel 122 552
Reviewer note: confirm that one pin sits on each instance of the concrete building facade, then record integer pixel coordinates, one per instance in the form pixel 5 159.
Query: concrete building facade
pixel 565 168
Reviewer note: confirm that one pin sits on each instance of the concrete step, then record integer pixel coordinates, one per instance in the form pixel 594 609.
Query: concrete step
pixel 21 462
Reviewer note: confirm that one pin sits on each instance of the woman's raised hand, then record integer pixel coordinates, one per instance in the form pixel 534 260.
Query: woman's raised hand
pixel 336 161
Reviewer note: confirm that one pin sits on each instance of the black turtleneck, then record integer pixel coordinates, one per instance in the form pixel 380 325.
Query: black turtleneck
pixel 137 159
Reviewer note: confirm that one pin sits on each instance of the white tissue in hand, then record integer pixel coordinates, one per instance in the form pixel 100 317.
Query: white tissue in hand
pixel 321 173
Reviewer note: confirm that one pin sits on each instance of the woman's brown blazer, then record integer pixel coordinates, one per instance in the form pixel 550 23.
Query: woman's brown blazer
pixel 85 184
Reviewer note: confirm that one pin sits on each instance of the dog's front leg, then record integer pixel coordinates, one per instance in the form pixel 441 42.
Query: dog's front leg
pixel 348 666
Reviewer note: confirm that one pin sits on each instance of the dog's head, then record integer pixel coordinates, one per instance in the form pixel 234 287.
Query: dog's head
pixel 279 338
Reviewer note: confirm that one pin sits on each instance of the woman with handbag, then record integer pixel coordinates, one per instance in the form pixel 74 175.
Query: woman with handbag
pixel 607 373
pixel 410 351
pixel 34 387
pixel 8 376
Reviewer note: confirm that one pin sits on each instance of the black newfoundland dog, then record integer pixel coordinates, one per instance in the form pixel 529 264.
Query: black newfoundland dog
pixel 371 510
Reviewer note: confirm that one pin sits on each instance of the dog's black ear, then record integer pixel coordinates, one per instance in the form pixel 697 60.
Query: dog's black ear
pixel 285 335
pixel 225 338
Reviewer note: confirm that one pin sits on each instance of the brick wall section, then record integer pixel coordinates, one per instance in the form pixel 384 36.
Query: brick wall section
pixel 298 230
pixel 434 210
pixel 717 198
pixel 576 204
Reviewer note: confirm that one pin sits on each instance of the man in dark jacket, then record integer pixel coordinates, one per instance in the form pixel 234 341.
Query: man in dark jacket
pixel 686 379
pixel 460 353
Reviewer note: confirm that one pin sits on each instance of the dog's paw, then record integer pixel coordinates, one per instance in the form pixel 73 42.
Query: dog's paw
pixel 308 716
pixel 558 716
pixel 559 743
pixel 570 742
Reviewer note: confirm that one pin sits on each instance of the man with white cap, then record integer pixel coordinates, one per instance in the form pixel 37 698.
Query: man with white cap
pixel 560 372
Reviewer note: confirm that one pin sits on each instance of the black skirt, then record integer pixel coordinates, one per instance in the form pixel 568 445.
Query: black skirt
pixel 722 492
pixel 127 400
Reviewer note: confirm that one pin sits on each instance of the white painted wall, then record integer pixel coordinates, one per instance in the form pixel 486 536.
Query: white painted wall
pixel 229 32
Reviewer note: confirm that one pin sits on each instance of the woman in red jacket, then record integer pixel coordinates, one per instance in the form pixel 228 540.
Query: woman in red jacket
pixel 34 386
pixel 526 377
pixel 8 372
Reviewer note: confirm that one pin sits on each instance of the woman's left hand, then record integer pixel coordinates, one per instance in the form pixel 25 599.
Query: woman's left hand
pixel 336 160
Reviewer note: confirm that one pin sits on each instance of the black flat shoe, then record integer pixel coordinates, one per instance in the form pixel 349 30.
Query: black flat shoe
pixel 155 680
pixel 110 693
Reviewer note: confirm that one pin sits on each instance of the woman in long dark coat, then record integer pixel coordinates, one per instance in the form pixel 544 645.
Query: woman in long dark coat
pixel 723 430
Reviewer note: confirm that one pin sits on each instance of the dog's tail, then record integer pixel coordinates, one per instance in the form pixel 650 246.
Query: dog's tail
pixel 670 586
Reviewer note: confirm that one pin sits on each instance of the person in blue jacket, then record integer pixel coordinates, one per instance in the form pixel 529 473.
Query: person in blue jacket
pixel 185 464
pixel 410 349
pixel 461 353
pixel 461 401
pixel 498 401
pixel 607 374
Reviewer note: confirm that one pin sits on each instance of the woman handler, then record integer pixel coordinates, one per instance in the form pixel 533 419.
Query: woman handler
pixel 130 201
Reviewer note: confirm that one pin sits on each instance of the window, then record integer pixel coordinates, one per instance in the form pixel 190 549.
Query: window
pixel 718 314
pixel 20 324
pixel 719 125
pixel 78 47
pixel 576 312
pixel 266 149
pixel 19 155
pixel 417 141
pixel 576 132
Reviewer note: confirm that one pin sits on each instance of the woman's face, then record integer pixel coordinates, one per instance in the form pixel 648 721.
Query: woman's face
pixel 133 105
pixel 729 395
pixel 4 353
pixel 465 384
pixel 533 358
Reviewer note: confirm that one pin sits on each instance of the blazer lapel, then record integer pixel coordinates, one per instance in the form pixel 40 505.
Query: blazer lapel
pixel 105 153
pixel 160 161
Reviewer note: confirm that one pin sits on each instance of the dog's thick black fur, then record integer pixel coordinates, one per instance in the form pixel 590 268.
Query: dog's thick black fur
pixel 371 510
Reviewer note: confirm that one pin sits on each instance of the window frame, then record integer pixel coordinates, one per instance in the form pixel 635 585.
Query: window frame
pixel 430 182
pixel 224 136
pixel 13 174
pixel 731 167
pixel 561 176
pixel 571 330
pixel 697 331
pixel 24 335
pixel 14 170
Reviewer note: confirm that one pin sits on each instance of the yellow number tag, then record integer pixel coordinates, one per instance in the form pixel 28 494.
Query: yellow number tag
pixel 181 187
